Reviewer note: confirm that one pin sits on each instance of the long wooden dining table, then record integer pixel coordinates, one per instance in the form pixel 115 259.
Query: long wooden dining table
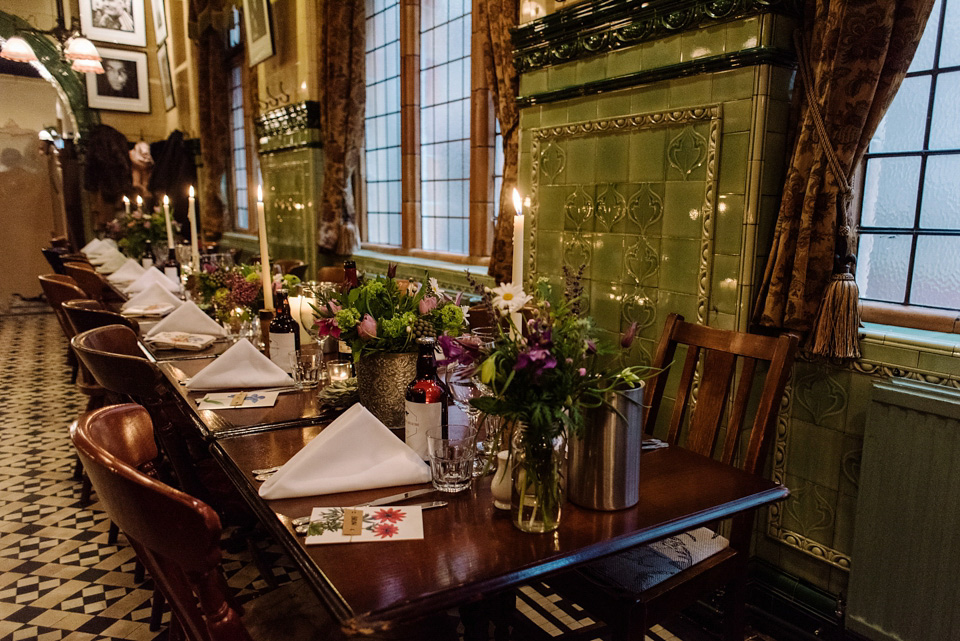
pixel 470 550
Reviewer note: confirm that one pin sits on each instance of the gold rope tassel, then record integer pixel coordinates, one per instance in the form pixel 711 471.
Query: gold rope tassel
pixel 835 329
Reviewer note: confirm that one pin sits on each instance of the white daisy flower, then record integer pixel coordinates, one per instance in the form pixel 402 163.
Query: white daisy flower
pixel 434 285
pixel 509 297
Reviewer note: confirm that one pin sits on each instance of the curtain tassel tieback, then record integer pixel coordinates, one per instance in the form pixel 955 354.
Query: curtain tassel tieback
pixel 836 326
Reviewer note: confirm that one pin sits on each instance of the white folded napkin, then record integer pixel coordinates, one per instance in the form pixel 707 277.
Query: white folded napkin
pixel 102 258
pixel 113 262
pixel 95 246
pixel 190 319
pixel 240 367
pixel 153 301
pixel 149 277
pixel 355 452
pixel 127 273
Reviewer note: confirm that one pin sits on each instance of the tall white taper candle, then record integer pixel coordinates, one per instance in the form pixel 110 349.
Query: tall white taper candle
pixel 264 256
pixel 194 241
pixel 166 214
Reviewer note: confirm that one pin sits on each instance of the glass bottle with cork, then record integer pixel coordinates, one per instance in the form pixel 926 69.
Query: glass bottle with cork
pixel 284 334
pixel 147 258
pixel 426 399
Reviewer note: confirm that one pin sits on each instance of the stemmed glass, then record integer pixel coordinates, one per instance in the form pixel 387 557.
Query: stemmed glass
pixel 465 385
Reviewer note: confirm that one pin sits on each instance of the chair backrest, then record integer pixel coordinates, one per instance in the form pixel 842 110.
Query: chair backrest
pixel 720 351
pixel 175 535
pixel 86 278
pixel 113 356
pixel 331 274
pixel 54 256
pixel 59 288
pixel 286 264
pixel 90 314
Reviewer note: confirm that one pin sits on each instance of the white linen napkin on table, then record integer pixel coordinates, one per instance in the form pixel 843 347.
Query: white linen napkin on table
pixel 153 301
pixel 127 273
pixel 95 246
pixel 149 277
pixel 114 261
pixel 240 367
pixel 107 255
pixel 355 452
pixel 190 319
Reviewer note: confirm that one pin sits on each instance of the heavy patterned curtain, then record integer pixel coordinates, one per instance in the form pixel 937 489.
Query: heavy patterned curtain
pixel 857 53
pixel 493 21
pixel 342 72
pixel 206 22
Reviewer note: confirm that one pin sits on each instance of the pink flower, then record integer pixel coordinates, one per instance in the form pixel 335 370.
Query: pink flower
pixel 583 371
pixel 427 305
pixel 627 340
pixel 367 328
pixel 328 327
pixel 334 307
pixel 146 224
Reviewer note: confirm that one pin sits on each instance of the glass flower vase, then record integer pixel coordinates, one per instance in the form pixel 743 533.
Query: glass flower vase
pixel 538 478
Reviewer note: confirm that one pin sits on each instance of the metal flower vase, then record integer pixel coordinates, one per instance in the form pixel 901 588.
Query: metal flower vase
pixel 382 381
pixel 605 461
pixel 538 470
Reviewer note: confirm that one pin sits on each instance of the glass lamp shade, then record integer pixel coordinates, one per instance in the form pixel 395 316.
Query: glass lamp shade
pixel 17 49
pixel 79 48
pixel 87 66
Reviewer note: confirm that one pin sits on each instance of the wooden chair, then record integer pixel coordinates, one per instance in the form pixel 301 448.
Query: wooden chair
pixel 331 274
pixel 86 278
pixel 292 266
pixel 633 590
pixel 84 316
pixel 54 257
pixel 177 537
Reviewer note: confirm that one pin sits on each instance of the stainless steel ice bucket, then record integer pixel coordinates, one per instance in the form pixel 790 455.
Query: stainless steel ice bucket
pixel 604 466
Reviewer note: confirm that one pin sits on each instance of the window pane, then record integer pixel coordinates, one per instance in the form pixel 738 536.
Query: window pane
pixel 936 274
pixel 902 126
pixel 882 267
pixel 950 44
pixel 941 194
pixel 382 122
pixel 945 128
pixel 923 58
pixel 445 126
pixel 238 195
pixel 890 192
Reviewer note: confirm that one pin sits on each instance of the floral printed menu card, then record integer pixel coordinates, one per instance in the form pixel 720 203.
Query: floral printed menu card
pixel 237 400
pixel 382 523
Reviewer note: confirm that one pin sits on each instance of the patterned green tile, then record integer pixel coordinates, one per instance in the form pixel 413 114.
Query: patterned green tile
pixel 624 61
pixel 581 159
pixel 533 82
pixel 682 209
pixel 605 305
pixel 549 252
pixel 678 271
pixel 820 395
pixel 578 208
pixel 735 84
pixel 649 98
pixel 814 453
pixel 690 92
pixel 737 115
pixel 661 53
pixel 577 252
pixel 673 302
pixel 733 163
pixel 728 229
pixel 552 199
pixel 725 286
pixel 647 156
pixel 850 465
pixel 613 158
pixel 743 34
pixel 608 258
pixel 700 43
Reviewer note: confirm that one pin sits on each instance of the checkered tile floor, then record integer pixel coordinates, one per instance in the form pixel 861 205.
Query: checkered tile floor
pixel 60 578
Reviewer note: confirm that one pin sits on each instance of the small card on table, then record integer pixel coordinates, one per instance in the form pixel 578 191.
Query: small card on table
pixel 237 400
pixel 181 340
pixel 362 524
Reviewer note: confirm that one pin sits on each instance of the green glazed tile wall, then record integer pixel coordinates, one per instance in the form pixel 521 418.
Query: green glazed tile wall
pixel 292 181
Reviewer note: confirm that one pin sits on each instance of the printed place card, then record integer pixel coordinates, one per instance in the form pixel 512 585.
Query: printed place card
pixel 384 523
pixel 181 340
pixel 237 400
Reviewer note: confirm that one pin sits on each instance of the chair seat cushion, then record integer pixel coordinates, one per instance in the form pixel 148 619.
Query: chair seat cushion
pixel 643 567
pixel 289 613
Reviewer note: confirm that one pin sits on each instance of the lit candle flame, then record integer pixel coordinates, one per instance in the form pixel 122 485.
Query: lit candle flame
pixel 139 201
pixel 191 191
pixel 126 200
pixel 517 203
pixel 166 199
pixel 259 193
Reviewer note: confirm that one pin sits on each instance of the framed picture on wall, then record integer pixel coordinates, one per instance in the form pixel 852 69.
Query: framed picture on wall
pixel 123 85
pixel 256 22
pixel 118 21
pixel 159 21
pixel 166 83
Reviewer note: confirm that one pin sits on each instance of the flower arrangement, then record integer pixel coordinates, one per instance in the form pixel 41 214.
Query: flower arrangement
pixel 386 314
pixel 133 230
pixel 232 293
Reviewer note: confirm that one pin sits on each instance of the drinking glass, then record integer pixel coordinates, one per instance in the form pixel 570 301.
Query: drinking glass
pixel 306 370
pixel 452 453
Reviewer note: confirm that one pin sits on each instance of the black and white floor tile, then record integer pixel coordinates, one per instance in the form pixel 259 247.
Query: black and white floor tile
pixel 60 577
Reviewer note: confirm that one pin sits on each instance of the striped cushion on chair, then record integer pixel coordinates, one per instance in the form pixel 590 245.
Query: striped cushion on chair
pixel 643 567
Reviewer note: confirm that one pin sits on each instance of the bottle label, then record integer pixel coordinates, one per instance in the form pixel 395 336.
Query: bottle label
pixel 421 418
pixel 345 348
pixel 171 273
pixel 283 348
pixel 146 262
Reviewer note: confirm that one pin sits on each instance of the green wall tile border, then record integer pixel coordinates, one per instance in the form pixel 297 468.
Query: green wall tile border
pixel 775 529
pixel 70 85
pixel 711 114
pixel 724 62
pixel 605 25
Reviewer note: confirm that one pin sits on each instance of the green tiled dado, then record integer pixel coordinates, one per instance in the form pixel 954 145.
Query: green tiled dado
pixel 743 34
pixel 562 76
pixel 661 53
pixel 734 155
pixel 735 84
pixel 728 228
pixel 737 115
pixel 689 92
pixel 893 356
pixel 682 209
pixel 708 41
pixel 724 289
pixel 940 364
pixel 679 258
pixel 647 149
pixel 608 258
pixel 533 82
